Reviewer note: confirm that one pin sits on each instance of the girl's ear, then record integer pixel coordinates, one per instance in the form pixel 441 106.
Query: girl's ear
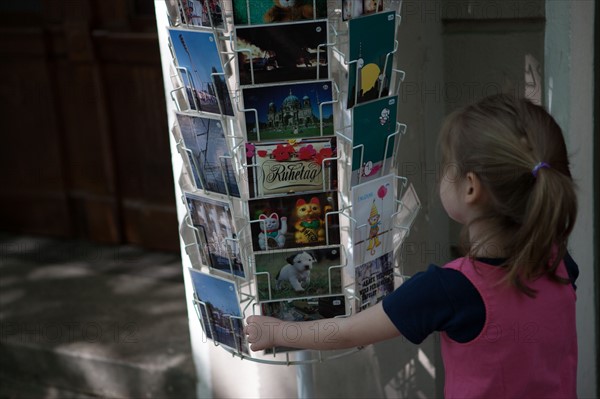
pixel 473 189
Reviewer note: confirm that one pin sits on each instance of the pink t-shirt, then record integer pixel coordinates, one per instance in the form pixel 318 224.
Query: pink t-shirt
pixel 527 347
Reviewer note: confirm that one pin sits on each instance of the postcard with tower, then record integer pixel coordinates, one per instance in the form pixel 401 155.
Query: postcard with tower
pixel 373 207
pixel 199 65
pixel 253 12
pixel 210 159
pixel 373 138
pixel 282 52
pixel 214 220
pixel 219 309
pixel 371 46
pixel 288 111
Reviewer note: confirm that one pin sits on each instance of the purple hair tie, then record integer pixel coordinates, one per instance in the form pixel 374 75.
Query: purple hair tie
pixel 537 167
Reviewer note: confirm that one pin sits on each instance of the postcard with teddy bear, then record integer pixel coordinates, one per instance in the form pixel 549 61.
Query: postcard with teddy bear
pixel 282 52
pixel 374 280
pixel 373 207
pixel 199 65
pixel 356 8
pixel 292 166
pixel 219 310
pixel 310 309
pixel 299 273
pixel 294 221
pixel 371 40
pixel 253 12
pixel 195 13
pixel 373 128
pixel 214 219
pixel 288 111
pixel 211 166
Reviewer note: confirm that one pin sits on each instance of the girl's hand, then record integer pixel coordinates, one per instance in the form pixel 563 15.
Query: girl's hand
pixel 261 331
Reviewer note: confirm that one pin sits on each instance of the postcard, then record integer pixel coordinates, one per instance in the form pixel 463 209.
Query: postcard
pixel 356 8
pixel 214 219
pixel 294 166
pixel 282 52
pixel 407 213
pixel 374 280
pixel 201 70
pixel 201 13
pixel 219 308
pixel 294 221
pixel 252 12
pixel 373 123
pixel 371 39
pixel 288 112
pixel 211 165
pixel 300 273
pixel 373 207
pixel 325 307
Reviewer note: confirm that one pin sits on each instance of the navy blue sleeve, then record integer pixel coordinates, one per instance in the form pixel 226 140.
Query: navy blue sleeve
pixel 436 300
pixel 572 269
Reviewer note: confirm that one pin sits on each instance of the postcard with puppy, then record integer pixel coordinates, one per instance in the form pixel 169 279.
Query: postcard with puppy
pixel 214 220
pixel 219 308
pixel 298 273
pixel 289 111
pixel 200 67
pixel 373 206
pixel 252 12
pixel 374 280
pixel 211 165
pixel 292 166
pixel 371 39
pixel 373 139
pixel 294 221
pixel 324 307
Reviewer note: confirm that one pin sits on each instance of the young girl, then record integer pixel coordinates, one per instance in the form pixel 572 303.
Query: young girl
pixel 506 311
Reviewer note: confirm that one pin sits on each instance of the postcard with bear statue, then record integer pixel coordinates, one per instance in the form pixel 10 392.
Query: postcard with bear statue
pixel 310 309
pixel 294 221
pixel 373 128
pixel 278 53
pixel 373 207
pixel 299 273
pixel 201 70
pixel 214 220
pixel 219 309
pixel 288 111
pixel 211 165
pixel 374 280
pixel 371 46
pixel 253 12
pixel 291 166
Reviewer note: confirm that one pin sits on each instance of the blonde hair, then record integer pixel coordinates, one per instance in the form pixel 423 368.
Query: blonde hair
pixel 501 139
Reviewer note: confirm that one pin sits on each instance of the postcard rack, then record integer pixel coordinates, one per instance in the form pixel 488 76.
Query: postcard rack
pixel 288 133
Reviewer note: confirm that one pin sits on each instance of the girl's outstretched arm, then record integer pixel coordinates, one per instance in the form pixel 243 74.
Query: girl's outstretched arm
pixel 367 327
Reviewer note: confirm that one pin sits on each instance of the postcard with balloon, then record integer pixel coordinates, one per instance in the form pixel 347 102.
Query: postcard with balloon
pixel 371 46
pixel 373 206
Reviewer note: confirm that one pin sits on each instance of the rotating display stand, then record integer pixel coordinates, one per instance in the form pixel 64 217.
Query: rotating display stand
pixel 286 123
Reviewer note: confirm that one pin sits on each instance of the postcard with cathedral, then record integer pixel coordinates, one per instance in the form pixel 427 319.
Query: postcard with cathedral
pixel 324 307
pixel 294 221
pixel 373 128
pixel 374 280
pixel 253 12
pixel 291 166
pixel 211 165
pixel 199 65
pixel 373 206
pixel 288 111
pixel 371 45
pixel 219 309
pixel 282 52
pixel 302 273
pixel 214 220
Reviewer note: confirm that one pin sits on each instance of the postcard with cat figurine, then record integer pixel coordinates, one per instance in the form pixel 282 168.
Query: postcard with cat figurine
pixel 371 45
pixel 253 12
pixel 294 221
pixel 300 273
pixel 374 280
pixel 291 166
